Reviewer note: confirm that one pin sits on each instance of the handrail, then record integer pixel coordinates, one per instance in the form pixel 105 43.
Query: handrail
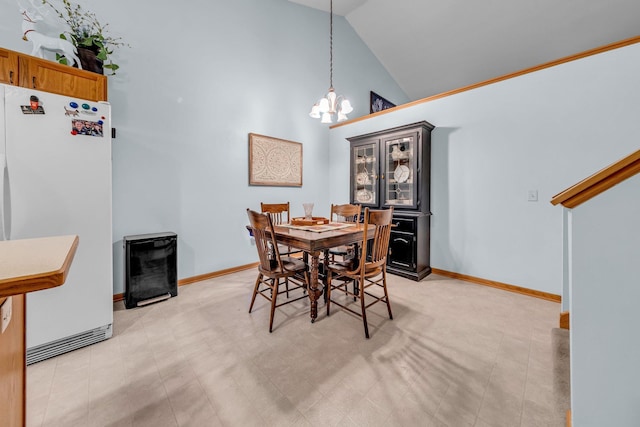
pixel 599 182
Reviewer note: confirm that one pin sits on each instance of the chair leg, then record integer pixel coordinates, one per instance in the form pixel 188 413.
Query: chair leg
pixel 364 311
pixel 328 291
pixel 274 295
pixel 386 294
pixel 286 285
pixel 255 291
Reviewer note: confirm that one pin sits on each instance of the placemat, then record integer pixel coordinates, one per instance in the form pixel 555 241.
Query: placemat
pixel 318 228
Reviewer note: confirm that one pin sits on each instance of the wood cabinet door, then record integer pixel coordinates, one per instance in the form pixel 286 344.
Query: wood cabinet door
pixel 364 173
pixel 49 76
pixel 399 169
pixel 402 244
pixel 8 67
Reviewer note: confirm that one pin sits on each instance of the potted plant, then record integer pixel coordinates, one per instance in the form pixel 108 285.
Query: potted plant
pixel 89 37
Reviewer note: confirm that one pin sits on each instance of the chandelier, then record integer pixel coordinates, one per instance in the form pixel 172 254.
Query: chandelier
pixel 331 105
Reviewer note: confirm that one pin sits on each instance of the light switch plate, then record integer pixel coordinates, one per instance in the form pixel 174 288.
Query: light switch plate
pixel 5 314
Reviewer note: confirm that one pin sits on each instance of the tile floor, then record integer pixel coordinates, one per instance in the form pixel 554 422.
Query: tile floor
pixel 456 354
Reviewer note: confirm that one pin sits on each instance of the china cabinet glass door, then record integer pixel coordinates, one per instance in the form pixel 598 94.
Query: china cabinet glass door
pixel 392 167
pixel 400 175
pixel 365 178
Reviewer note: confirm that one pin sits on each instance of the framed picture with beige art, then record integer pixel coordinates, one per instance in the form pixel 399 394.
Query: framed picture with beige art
pixel 274 162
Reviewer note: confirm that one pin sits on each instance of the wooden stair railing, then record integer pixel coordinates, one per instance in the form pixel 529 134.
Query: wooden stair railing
pixel 599 182
pixel 589 188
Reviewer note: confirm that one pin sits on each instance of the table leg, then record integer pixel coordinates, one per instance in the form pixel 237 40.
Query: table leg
pixel 325 258
pixel 316 289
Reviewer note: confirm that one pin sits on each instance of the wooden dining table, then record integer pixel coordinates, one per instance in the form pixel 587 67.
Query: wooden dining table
pixel 315 240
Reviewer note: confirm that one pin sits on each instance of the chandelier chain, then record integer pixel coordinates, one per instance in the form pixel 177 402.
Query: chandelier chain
pixel 331 44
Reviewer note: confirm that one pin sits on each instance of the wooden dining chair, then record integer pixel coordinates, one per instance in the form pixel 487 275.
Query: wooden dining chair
pixel 280 214
pixel 345 213
pixel 347 253
pixel 371 272
pixel 274 269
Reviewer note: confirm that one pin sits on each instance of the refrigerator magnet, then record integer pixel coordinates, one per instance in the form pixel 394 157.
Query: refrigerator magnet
pixel 34 106
pixel 72 113
pixel 86 127
pixel 83 108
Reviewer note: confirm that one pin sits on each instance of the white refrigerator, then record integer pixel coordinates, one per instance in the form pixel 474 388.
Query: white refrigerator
pixel 55 158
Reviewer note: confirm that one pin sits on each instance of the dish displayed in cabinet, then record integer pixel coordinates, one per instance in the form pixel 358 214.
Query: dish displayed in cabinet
pixel 363 178
pixel 364 196
pixel 401 173
pixel 365 159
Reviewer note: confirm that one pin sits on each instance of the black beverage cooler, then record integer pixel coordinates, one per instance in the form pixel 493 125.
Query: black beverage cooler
pixel 150 271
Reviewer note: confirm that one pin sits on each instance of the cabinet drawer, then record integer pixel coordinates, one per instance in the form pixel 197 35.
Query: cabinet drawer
pixel 407 225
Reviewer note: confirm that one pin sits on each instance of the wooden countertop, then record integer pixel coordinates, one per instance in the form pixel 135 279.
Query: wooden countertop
pixel 29 265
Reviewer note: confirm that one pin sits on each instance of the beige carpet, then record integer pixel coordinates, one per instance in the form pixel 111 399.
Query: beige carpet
pixel 561 367
pixel 456 354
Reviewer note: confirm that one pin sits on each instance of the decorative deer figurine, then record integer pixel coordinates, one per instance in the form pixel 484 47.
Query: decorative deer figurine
pixel 41 41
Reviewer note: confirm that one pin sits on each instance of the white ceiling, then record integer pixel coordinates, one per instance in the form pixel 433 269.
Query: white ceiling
pixel 432 46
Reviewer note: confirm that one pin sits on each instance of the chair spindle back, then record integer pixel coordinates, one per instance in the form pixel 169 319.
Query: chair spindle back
pixel 279 212
pixel 376 257
pixel 346 213
pixel 266 244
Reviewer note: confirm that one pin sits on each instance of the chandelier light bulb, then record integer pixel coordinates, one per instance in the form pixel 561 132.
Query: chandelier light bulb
pixel 346 107
pixel 315 111
pixel 324 105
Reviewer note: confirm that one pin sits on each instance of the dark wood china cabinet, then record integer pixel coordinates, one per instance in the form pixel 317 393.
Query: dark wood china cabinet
pixel 392 167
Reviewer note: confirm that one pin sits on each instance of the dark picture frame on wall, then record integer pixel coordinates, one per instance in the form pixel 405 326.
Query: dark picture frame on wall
pixel 378 103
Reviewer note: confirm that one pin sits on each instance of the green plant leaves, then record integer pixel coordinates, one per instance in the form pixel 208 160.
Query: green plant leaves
pixel 86 31
pixel 61 59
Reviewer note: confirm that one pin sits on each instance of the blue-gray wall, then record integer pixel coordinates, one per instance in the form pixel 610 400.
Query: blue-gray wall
pixel 542 131
pixel 198 78
pixel 605 290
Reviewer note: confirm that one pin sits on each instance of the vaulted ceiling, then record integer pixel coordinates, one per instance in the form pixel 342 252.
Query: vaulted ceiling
pixel 432 46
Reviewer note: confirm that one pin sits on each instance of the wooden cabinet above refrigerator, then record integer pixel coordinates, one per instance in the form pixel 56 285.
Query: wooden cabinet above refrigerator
pixel 19 69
